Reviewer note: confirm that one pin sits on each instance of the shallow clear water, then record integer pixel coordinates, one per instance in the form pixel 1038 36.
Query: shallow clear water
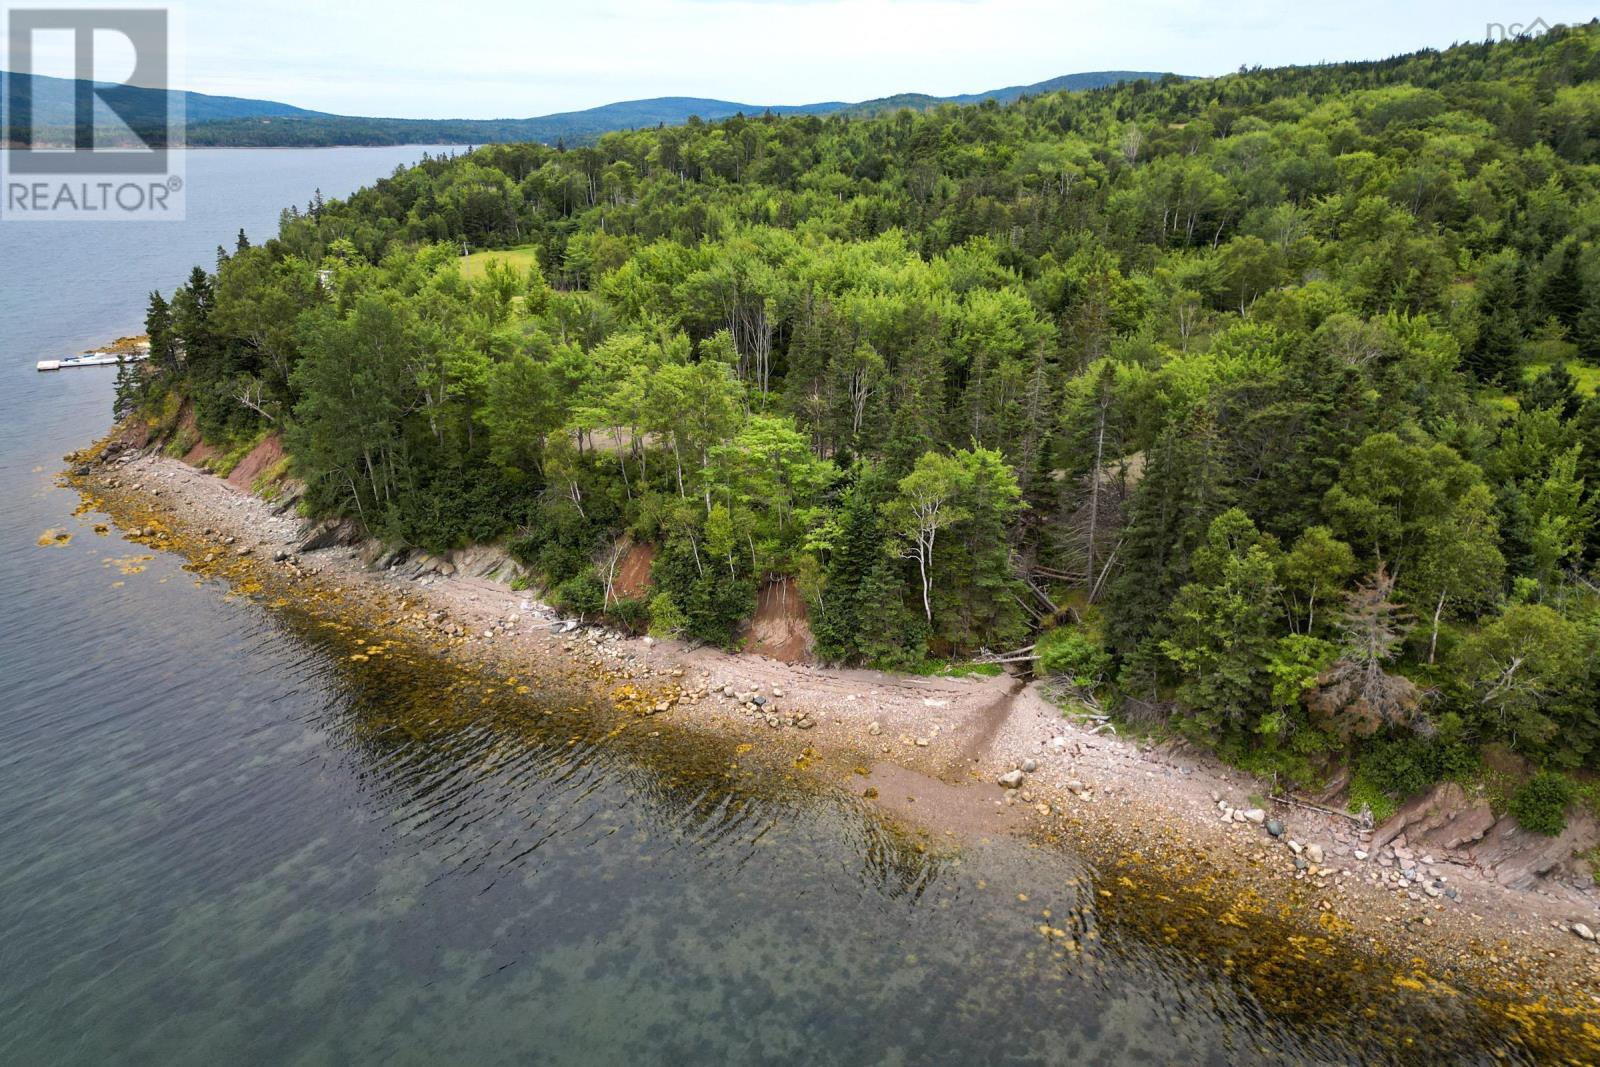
pixel 223 840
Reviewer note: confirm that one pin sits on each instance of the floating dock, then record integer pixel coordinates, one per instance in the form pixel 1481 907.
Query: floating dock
pixel 97 358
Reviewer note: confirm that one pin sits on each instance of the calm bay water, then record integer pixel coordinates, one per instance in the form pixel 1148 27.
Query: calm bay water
pixel 221 840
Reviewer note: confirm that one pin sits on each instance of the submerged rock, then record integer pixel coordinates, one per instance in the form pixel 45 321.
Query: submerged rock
pixel 1011 779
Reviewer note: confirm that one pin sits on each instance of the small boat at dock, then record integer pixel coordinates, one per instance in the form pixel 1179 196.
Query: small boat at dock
pixel 96 358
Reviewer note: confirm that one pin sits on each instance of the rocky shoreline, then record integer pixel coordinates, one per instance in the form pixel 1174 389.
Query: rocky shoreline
pixel 954 755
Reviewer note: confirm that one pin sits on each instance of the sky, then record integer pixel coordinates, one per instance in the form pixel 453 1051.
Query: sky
pixel 505 59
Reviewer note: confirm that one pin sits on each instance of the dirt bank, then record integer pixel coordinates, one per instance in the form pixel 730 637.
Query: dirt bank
pixel 781 626
pixel 258 460
pixel 949 739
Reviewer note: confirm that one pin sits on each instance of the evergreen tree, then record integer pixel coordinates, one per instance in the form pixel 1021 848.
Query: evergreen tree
pixel 1181 491
pixel 915 413
pixel 1553 390
pixel 976 591
pixel 128 393
pixel 1223 629
pixel 894 634
pixel 1501 289
pixel 1562 295
pixel 190 332
pixel 855 548
pixel 158 327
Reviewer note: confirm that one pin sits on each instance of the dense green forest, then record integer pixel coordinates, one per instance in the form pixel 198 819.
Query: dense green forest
pixel 1262 405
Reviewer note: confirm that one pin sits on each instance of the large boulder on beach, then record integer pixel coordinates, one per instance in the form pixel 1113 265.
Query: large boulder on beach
pixel 1444 817
pixel 330 533
pixel 1517 857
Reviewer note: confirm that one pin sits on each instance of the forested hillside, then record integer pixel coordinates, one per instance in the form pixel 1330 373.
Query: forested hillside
pixel 233 122
pixel 1263 405
pixel 582 127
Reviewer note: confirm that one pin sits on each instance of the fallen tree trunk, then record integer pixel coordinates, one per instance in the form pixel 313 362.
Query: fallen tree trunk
pixel 1292 802
pixel 1020 655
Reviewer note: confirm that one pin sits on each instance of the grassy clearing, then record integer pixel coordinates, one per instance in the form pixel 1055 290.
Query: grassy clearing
pixel 521 258
pixel 1585 378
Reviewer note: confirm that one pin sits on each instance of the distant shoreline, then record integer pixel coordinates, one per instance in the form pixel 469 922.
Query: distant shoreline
pixel 239 119
pixel 305 147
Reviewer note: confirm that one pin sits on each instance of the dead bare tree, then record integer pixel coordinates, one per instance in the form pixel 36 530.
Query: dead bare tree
pixel 1357 693
pixel 1099 515
pixel 752 330
pixel 613 558
pixel 252 394
pixel 862 383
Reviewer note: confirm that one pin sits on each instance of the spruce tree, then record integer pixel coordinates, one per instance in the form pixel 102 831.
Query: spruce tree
pixel 856 551
pixel 1493 356
pixel 158 327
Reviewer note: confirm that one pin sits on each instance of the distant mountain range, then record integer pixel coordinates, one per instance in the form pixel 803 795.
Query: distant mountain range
pixel 228 121
pixel 53 102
